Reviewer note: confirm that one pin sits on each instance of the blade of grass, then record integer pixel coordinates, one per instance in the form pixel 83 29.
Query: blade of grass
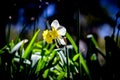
pixel 72 42
pixel 40 65
pixel 82 61
pixel 61 76
pixel 30 45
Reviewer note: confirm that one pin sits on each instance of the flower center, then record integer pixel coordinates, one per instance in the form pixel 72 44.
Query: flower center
pixel 55 33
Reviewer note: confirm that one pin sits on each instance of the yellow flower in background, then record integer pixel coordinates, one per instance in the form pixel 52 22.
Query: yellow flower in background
pixel 55 33
pixel 47 36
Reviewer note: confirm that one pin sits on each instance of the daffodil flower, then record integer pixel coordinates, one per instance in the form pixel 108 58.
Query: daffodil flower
pixel 47 36
pixel 58 31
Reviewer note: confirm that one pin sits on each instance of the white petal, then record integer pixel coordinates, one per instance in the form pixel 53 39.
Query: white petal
pixel 16 59
pixel 62 42
pixel 35 59
pixel 62 31
pixel 55 24
pixel 17 46
pixel 27 62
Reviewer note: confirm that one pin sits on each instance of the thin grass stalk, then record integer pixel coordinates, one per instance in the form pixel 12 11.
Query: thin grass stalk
pixel 67 62
pixel 77 41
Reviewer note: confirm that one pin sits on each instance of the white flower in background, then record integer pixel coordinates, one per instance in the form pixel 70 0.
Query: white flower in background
pixel 61 29
pixel 17 46
pixel 35 57
pixel 58 31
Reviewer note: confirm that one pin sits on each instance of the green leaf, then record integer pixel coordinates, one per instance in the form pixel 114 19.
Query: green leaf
pixel 52 55
pixel 36 50
pixel 75 57
pixel 84 65
pixel 52 46
pixel 62 57
pixel 81 59
pixel 93 40
pixel 2 50
pixel 45 75
pixel 57 67
pixel 37 45
pixel 30 46
pixel 61 76
pixel 51 78
pixel 40 65
pixel 72 42
pixel 93 57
